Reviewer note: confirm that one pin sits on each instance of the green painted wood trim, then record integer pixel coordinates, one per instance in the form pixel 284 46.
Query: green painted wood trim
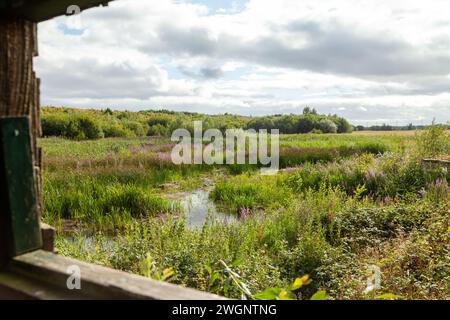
pixel 19 210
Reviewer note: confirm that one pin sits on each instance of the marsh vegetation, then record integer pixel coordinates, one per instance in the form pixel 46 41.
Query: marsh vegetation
pixel 341 203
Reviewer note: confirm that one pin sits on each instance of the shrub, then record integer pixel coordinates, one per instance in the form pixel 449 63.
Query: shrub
pixel 116 130
pixel 158 130
pixel 362 227
pixel 138 129
pixel 54 125
pixel 306 124
pixel 79 127
pixel 162 120
pixel 83 127
pixel 434 141
pixel 343 126
pixel 327 126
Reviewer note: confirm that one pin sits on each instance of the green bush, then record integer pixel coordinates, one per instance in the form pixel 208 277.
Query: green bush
pixel 83 127
pixel 116 130
pixel 158 130
pixel 327 126
pixel 54 125
pixel 138 129
pixel 433 141
pixel 78 127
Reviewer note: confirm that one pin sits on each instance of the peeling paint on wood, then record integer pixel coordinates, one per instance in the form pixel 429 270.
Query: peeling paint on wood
pixel 20 208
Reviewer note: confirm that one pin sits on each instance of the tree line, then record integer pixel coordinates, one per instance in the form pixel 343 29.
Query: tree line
pixel 81 124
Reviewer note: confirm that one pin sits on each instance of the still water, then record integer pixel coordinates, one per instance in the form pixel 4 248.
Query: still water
pixel 199 208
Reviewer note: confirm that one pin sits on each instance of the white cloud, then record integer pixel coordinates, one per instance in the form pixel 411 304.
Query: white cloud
pixel 367 60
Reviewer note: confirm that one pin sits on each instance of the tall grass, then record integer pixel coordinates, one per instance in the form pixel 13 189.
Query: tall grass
pixel 101 204
pixel 341 205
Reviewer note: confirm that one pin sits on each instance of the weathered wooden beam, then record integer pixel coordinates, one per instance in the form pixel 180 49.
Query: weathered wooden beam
pixel 19 97
pixel 19 87
pixel 44 275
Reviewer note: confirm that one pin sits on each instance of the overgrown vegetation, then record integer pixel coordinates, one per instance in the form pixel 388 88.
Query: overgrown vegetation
pixel 342 204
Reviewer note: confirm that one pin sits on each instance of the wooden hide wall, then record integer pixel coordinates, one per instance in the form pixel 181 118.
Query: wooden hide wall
pixel 19 91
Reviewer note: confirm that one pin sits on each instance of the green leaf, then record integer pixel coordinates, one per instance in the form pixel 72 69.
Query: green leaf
pixel 387 296
pixel 214 277
pixel 208 269
pixel 237 262
pixel 268 294
pixel 319 295
pixel 167 273
pixel 286 295
pixel 298 283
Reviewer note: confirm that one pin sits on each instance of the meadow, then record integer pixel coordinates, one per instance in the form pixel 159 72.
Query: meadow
pixel 342 204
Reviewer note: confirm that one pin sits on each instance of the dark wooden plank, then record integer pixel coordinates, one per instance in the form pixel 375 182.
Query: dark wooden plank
pixel 40 10
pixel 19 203
pixel 19 88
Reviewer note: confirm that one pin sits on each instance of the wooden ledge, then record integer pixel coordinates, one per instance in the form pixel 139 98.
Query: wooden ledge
pixel 44 275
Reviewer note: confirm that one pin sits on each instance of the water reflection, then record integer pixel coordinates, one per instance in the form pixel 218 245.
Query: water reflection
pixel 199 208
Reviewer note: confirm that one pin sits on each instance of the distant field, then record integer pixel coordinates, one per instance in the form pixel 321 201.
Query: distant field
pixel 60 147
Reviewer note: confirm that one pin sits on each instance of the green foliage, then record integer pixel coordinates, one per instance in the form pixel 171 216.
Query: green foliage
pixel 327 126
pixel 330 217
pixel 389 176
pixel 78 127
pixel 308 122
pixel 250 193
pixel 433 141
pixel 71 123
pixel 104 204
pixel 149 269
pixel 83 127
pixel 288 293
pixel 116 130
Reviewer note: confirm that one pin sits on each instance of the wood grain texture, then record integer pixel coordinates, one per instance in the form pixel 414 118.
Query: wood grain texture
pixel 19 89
pixel 96 282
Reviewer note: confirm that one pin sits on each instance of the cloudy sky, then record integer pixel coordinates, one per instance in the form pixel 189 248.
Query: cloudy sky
pixel 371 61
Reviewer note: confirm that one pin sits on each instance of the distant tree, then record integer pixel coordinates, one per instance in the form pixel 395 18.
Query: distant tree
pixel 343 126
pixel 305 124
pixel 307 110
pixel 83 127
pixel 327 126
pixel 286 124
pixel 261 123
pixel 108 111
